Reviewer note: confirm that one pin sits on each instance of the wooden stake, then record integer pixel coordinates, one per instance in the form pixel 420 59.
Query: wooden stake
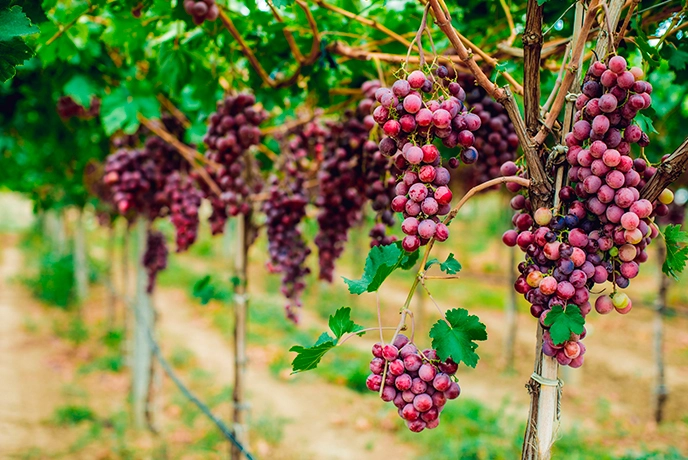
pixel 240 321
pixel 143 354
pixel 511 314
pixel 80 257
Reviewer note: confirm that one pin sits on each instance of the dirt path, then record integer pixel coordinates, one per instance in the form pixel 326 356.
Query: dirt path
pixel 325 422
pixel 29 383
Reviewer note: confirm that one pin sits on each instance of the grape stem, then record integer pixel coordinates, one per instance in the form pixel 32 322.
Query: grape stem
pixel 510 21
pixel 379 315
pixel 418 38
pixel 447 220
pixel 368 329
pixel 422 282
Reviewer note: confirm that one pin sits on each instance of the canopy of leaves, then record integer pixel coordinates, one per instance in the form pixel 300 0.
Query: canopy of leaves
pixel 676 242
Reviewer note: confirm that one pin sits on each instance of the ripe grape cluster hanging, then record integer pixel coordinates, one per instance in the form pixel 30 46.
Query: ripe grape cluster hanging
pixel 602 229
pixel 68 108
pixel 232 130
pixel 413 113
pixel 417 383
pixel 202 10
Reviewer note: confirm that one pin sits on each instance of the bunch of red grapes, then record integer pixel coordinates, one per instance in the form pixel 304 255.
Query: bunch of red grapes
pixel 184 201
pixel 68 108
pixel 413 113
pixel 202 10
pixel 418 384
pixel 604 227
pixel 344 175
pixel 285 209
pixel 232 130
pixel 155 257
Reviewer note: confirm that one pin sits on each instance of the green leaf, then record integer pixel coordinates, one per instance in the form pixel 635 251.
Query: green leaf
pixel 562 323
pixel 308 358
pixel 14 23
pixel 456 340
pixel 324 337
pixel 282 3
pixel 451 266
pixel 677 58
pixel 645 121
pixel 174 63
pixel 340 323
pixel 409 260
pixel 430 263
pixel 542 2
pixel 380 263
pixel 120 109
pixel 12 53
pixel 676 251
pixel 81 89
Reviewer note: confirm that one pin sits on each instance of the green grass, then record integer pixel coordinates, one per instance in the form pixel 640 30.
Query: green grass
pixel 73 415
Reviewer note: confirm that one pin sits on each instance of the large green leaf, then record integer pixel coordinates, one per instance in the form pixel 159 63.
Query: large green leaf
pixel 564 322
pixel 456 337
pixel 676 251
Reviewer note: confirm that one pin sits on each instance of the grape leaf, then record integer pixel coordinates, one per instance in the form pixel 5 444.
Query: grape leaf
pixel 542 2
pixel 282 3
pixel 676 251
pixel 340 323
pixel 380 263
pixel 409 260
pixel 456 340
pixel 81 89
pixel 14 23
pixel 677 58
pixel 309 358
pixel 13 51
pixel 562 323
pixel 645 121
pixel 451 266
pixel 120 109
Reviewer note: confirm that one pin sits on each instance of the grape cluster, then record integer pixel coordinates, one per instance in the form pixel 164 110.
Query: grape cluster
pixel 232 130
pixel 202 10
pixel 604 228
pixel 184 201
pixel 496 138
pixel 412 115
pixel 68 108
pixel 285 209
pixel 342 188
pixel 418 384
pixel 129 175
pixel 155 257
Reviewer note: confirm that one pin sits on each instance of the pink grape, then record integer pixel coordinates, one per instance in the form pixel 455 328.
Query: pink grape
pixel 426 229
pixel 416 79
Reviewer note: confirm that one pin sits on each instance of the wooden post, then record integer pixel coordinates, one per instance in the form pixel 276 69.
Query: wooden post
pixel 240 324
pixel 80 257
pixel 112 301
pixel 128 320
pixel 143 319
pixel 661 393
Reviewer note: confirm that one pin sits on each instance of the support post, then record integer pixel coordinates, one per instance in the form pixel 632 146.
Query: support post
pixel 143 354
pixel 80 257
pixel 240 324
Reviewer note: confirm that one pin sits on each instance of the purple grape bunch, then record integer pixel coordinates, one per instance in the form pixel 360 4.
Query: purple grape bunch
pixel 285 209
pixel 413 113
pixel 232 130
pixel 185 199
pixel 155 257
pixel 604 226
pixel 417 383
pixel 202 10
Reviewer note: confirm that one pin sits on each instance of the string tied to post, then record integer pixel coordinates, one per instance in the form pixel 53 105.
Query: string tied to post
pixel 550 383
